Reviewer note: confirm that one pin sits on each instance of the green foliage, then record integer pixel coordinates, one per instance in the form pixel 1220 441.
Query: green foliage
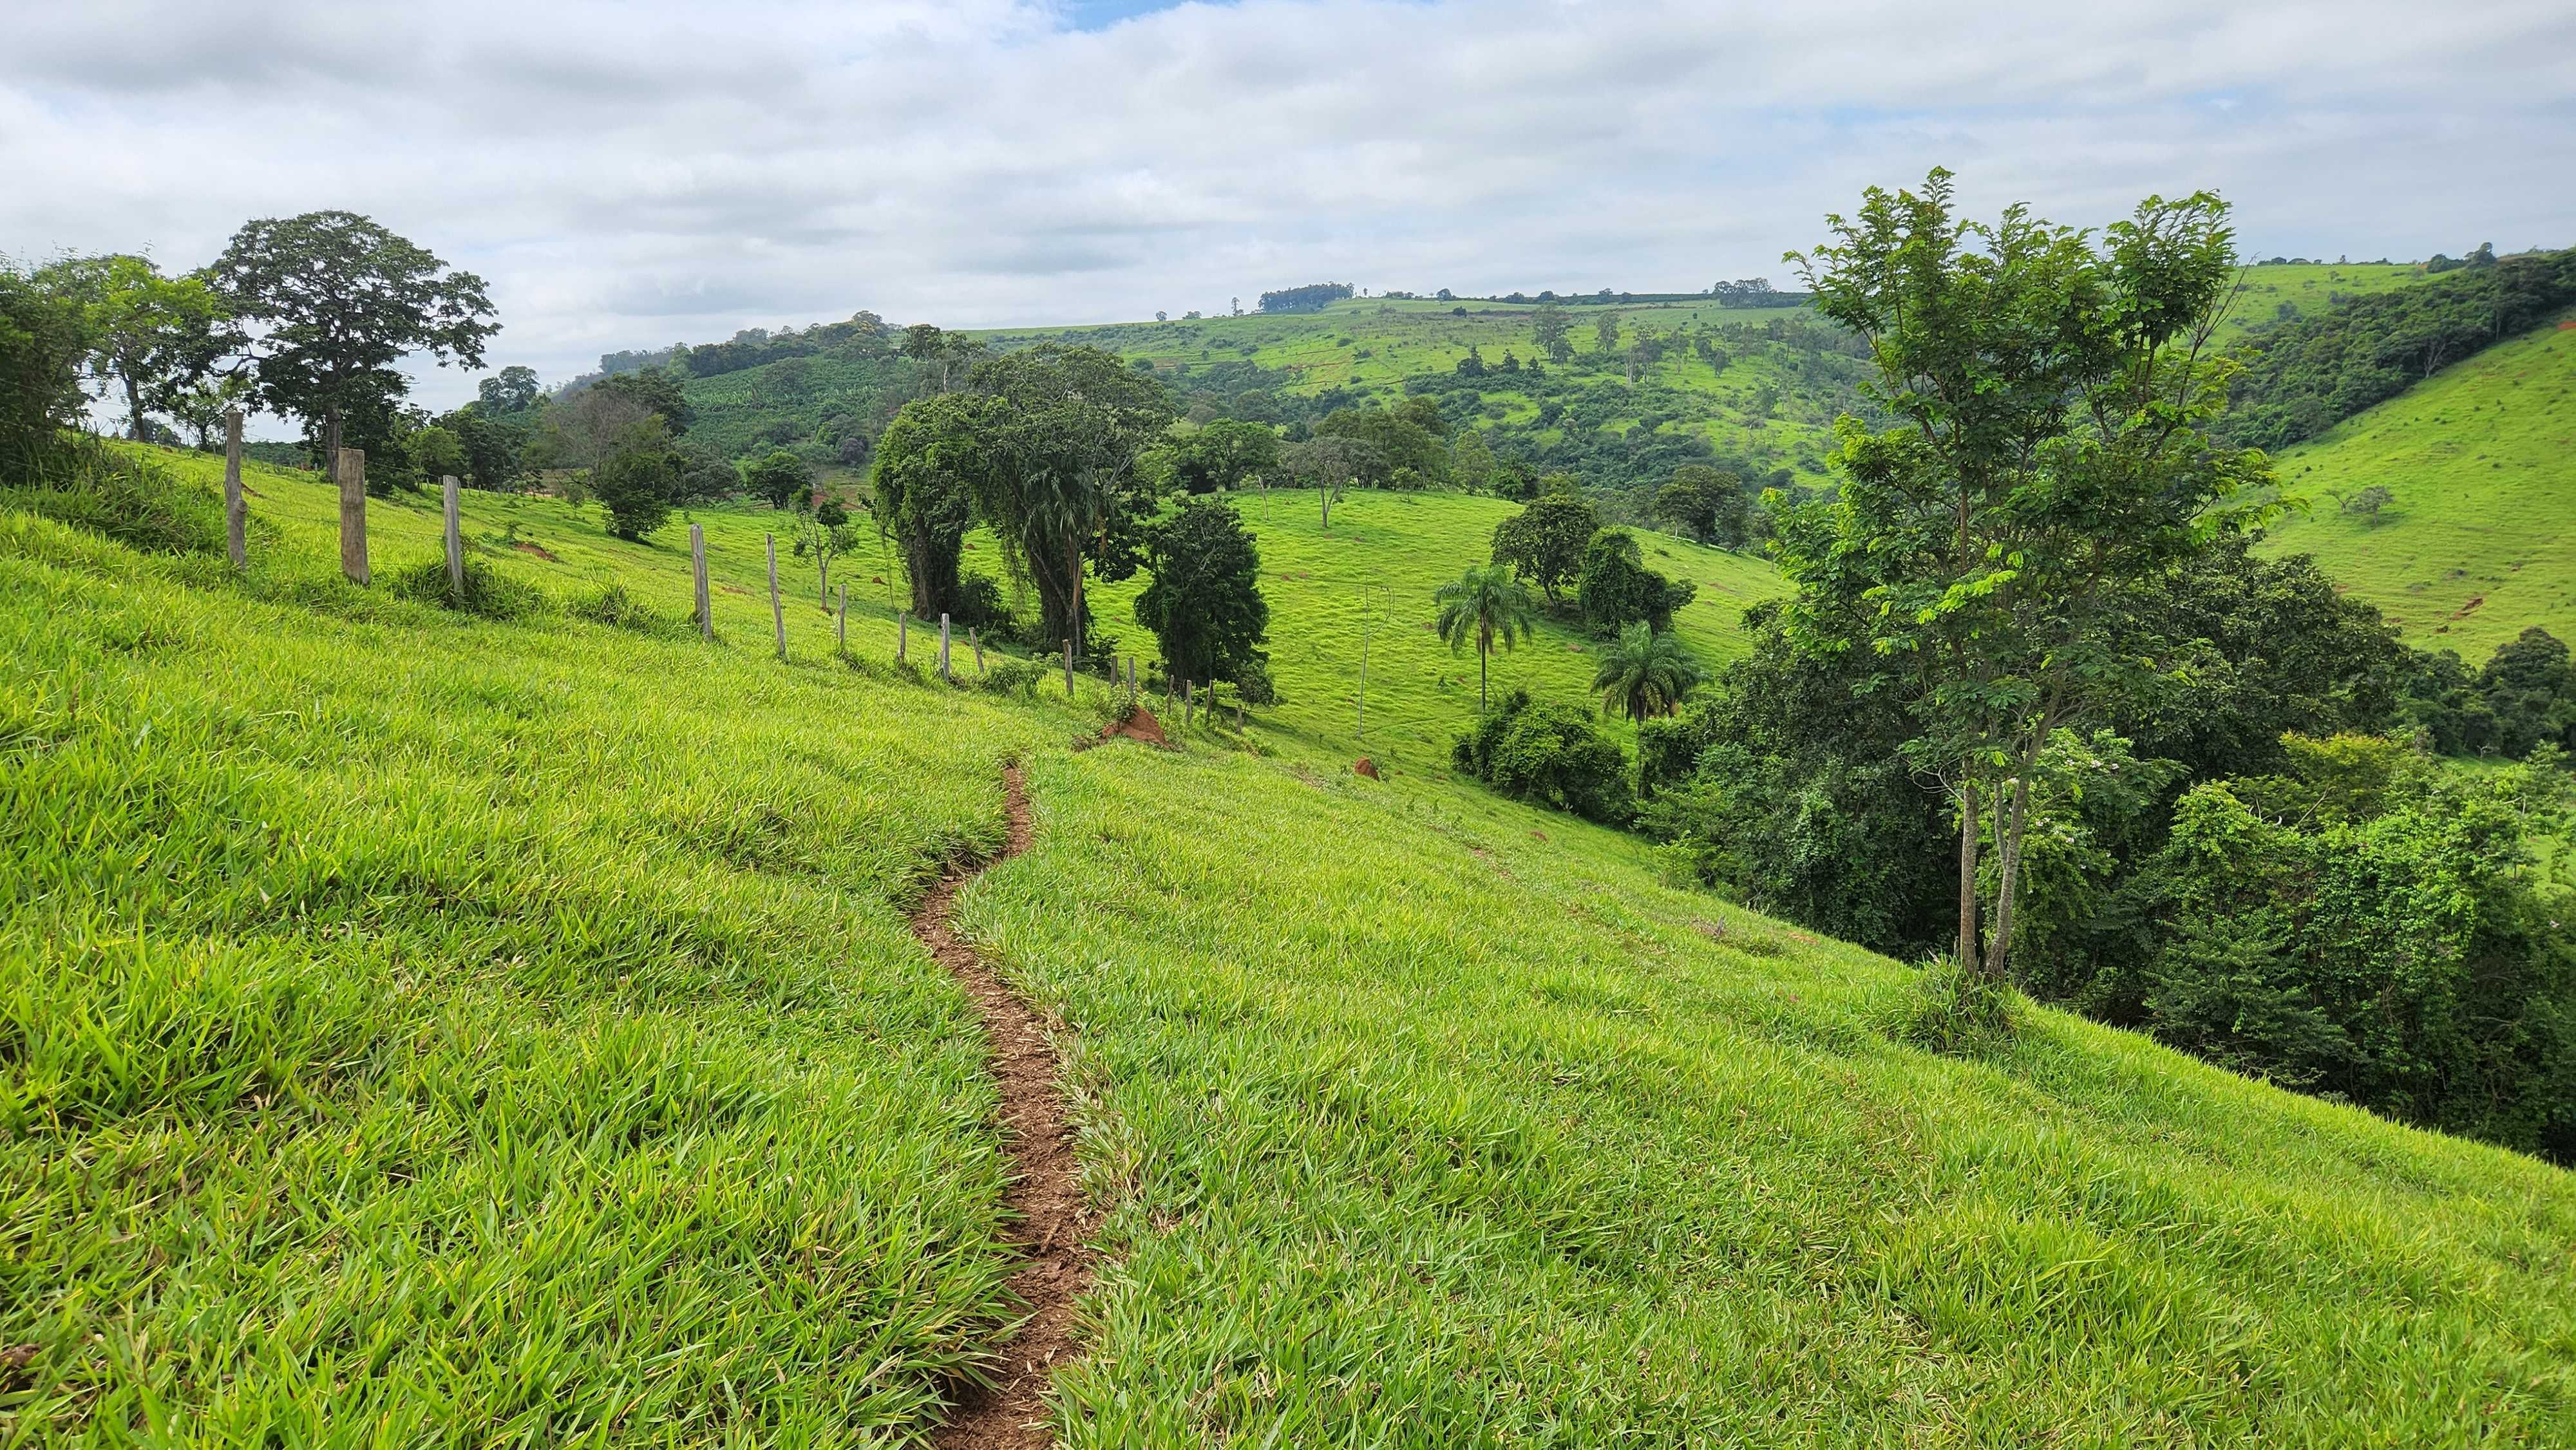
pixel 929 468
pixel 613 606
pixel 1204 604
pixel 1545 541
pixel 1313 297
pixel 1224 454
pixel 339 301
pixel 1015 677
pixel 1401 446
pixel 1645 673
pixel 657 391
pixel 1958 1013
pixel 2368 926
pixel 489 593
pixel 43 338
pixel 1548 754
pixel 779 479
pixel 635 485
pixel 2525 697
pixel 1484 605
pixel 156 336
pixel 2303 377
pixel 1706 504
pixel 1618 590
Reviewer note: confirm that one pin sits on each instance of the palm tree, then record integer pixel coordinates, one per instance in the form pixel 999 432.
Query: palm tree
pixel 1645 673
pixel 1487 604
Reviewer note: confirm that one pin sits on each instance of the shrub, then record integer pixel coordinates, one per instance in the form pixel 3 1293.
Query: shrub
pixel 1014 677
pixel 1548 754
pixel 636 487
pixel 489 593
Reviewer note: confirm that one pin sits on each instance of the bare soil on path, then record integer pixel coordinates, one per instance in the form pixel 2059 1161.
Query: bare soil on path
pixel 1044 1196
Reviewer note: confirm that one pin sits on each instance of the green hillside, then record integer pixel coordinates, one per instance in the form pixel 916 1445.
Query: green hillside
pixel 2478 541
pixel 480 1031
pixel 2272 293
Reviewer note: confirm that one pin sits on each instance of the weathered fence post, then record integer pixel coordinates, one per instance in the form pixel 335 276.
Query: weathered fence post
pixel 455 538
pixel 977 641
pixel 777 615
pixel 352 472
pixel 943 646
pixel 841 624
pixel 698 567
pixel 902 634
pixel 1068 667
pixel 236 512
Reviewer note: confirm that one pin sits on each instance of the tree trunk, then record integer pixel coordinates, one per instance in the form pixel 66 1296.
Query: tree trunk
pixel 1484 649
pixel 330 441
pixel 134 409
pixel 1968 962
pixel 2009 870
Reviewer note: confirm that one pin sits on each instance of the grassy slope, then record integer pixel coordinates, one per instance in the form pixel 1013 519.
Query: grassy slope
pixel 2480 541
pixel 1383 555
pixel 1425 1119
pixel 458 1029
pixel 1425 1132
pixel 2265 291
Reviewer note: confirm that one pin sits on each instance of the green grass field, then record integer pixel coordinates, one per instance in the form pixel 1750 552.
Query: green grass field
pixel 2276 294
pixel 423 1029
pixel 1373 572
pixel 2479 541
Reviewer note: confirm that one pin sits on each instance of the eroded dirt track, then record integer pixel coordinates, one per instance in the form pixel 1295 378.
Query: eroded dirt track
pixel 1044 1197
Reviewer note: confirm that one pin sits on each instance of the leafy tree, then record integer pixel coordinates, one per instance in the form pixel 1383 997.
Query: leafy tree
pixel 634 481
pixel 512 390
pixel 1486 605
pixel 1071 425
pixel 822 536
pixel 1548 754
pixel 930 467
pixel 1204 603
pixel 1646 674
pixel 1330 461
pixel 779 478
pixel 1405 442
pixel 155 336
pixel 341 300
pixel 1707 504
pixel 2529 689
pixel 1605 333
pixel 1471 462
pixel 2368 502
pixel 43 340
pixel 1548 328
pixel 656 391
pixel 2047 455
pixel 1313 297
pixel 437 452
pixel 1618 590
pixel 1544 542
pixel 1224 454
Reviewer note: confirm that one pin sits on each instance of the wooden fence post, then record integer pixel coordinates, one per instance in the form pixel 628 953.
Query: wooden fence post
pixel 777 616
pixel 698 567
pixel 455 538
pixel 943 646
pixel 902 634
pixel 352 472
pixel 841 624
pixel 977 641
pixel 236 511
pixel 1068 667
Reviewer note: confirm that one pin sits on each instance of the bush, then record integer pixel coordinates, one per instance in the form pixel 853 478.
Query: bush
pixel 89 485
pixel 1957 1014
pixel 489 593
pixel 614 607
pixel 1014 677
pixel 1549 754
pixel 636 487
pixel 41 347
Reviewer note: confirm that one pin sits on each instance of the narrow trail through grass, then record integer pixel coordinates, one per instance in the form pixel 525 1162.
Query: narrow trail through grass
pixel 1044 1194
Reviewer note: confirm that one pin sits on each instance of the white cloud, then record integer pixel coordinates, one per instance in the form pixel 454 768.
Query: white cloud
pixel 631 174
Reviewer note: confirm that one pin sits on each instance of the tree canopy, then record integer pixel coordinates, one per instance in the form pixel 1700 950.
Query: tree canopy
pixel 1204 601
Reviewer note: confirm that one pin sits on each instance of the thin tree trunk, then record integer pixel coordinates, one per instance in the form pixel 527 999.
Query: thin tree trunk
pixel 1484 648
pixel 2009 869
pixel 330 441
pixel 134 409
pixel 1968 962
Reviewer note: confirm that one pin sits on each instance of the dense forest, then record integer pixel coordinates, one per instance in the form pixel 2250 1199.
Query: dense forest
pixel 2309 373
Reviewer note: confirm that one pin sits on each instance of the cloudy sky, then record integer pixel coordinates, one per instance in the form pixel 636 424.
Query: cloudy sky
pixel 640 173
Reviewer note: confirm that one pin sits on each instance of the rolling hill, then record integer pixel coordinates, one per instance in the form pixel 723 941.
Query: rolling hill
pixel 507 1029
pixel 2478 540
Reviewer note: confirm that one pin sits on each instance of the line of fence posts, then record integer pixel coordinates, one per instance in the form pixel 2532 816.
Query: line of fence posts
pixel 698 570
pixel 350 469
pixel 236 511
pixel 454 533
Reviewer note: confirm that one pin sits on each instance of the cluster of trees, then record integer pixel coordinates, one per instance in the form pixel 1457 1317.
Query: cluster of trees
pixel 1313 297
pixel 2169 777
pixel 1558 542
pixel 2307 374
